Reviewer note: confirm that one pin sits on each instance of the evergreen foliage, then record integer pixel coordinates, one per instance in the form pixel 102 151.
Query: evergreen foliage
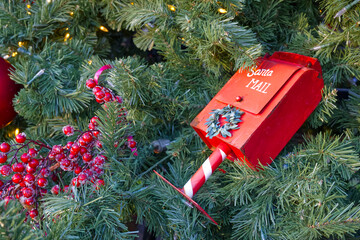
pixel 311 189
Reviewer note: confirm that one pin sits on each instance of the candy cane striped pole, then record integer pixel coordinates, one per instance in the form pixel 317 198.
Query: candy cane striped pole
pixel 201 175
pixel 206 169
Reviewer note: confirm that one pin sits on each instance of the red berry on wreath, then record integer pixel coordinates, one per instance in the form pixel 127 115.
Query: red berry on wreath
pixel 7 200
pixel 43 191
pixel 132 144
pixel 32 152
pixel 108 97
pixel 33 213
pixel 20 138
pixel 96 133
pixel 82 142
pixel 25 158
pixel 92 126
pixel 100 101
pixel 30 169
pixel 18 167
pixel 90 83
pixel 56 149
pixel 65 163
pixel 18 195
pixel 97 89
pixel 33 163
pixel 55 190
pixel 75 148
pixel 4 147
pixel 17 178
pixel 45 172
pixel 59 157
pixel 119 99
pixel 5 170
pixel 87 157
pixel 28 192
pixel 94 120
pixel 66 188
pixel 83 150
pixel 69 144
pixel 3 157
pixel 75 182
pixel 82 178
pixel 1 184
pixel 99 144
pixel 42 182
pixel 99 182
pixel 77 170
pixel 68 130
pixel 29 179
pixel 29 201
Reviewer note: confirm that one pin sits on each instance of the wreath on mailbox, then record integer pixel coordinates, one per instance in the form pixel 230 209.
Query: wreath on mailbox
pixel 232 115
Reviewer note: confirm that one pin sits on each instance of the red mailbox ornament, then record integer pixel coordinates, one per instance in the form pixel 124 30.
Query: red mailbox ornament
pixel 264 107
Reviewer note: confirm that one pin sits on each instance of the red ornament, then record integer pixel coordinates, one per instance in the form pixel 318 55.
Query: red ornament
pixel 8 89
pixel 132 144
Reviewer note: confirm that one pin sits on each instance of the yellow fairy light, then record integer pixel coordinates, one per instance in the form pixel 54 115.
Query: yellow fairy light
pixel 172 8
pixel 66 29
pixel 104 29
pixel 17 131
pixel 20 44
pixel 71 13
pixel 48 1
pixel 28 6
pixel 222 10
pixel 28 12
pixel 14 54
pixel 90 62
pixel 67 35
pixel 132 3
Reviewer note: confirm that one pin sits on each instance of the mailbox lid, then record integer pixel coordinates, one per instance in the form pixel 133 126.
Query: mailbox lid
pixel 257 86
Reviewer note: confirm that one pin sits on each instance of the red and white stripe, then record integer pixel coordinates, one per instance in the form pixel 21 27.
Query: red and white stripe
pixel 206 169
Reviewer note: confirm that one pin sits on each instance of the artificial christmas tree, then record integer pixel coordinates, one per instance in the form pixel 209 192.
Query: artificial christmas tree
pixel 310 191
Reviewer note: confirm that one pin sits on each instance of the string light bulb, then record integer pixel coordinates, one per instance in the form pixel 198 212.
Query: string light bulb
pixel 132 3
pixel 104 29
pixel 222 10
pixel 28 6
pixel 14 54
pixel 71 13
pixel 67 35
pixel 28 12
pixel 172 8
pixel 21 44
pixel 90 62
pixel 48 1
pixel 17 131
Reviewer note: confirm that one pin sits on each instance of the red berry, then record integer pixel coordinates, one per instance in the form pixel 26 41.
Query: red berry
pixel 5 147
pixel 33 213
pixel 22 184
pixel 17 178
pixel 82 177
pixel 94 120
pixel 57 149
pixel 65 163
pixel 43 191
pixel 72 157
pixel 29 179
pixel 68 130
pixel 92 126
pixel 238 99
pixel 3 157
pixel 51 155
pixel 25 158
pixel 18 167
pixel 108 97
pixel 100 95
pixel 77 170
pixel 100 101
pixel 87 157
pixel 90 83
pixel 96 133
pixel 75 182
pixel 83 150
pixel 19 195
pixel 20 138
pixel 29 201
pixel 42 182
pixel 1 184
pixel 69 144
pixel 82 142
pixel 132 144
pixel 99 160
pixel 27 192
pixel 99 144
pixel 59 157
pixel 5 170
pixel 34 163
pixel 30 169
pixel 87 137
pixel 32 152
pixel 119 99
pixel 97 89
pixel 66 188
pixel 55 190
pixel 7 200
pixel 45 172
pixel 99 183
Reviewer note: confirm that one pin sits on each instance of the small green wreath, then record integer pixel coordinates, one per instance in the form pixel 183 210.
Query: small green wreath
pixel 232 116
